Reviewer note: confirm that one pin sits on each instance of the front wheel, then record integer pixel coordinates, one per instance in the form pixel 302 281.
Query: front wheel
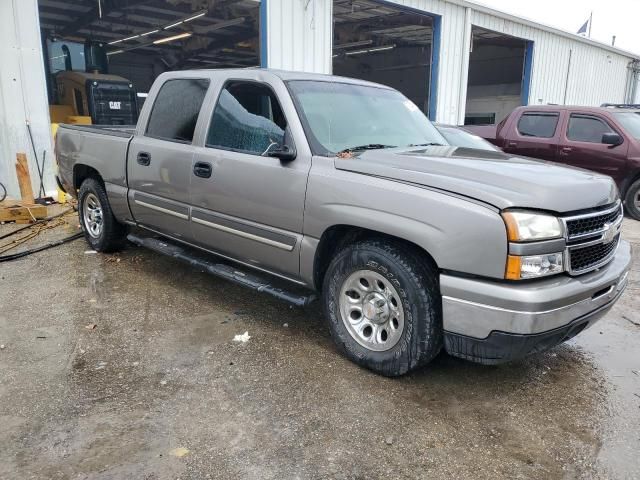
pixel 632 200
pixel 383 305
pixel 101 229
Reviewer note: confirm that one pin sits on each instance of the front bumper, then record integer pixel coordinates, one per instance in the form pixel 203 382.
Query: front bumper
pixel 495 322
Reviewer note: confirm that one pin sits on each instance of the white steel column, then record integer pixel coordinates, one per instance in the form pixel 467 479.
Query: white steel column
pixel 298 34
pixel 23 95
pixel 464 68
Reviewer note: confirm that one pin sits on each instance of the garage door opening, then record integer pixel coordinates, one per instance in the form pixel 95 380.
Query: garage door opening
pixel 95 51
pixel 499 75
pixel 381 43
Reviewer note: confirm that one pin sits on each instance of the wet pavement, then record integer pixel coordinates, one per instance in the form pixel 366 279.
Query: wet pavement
pixel 124 366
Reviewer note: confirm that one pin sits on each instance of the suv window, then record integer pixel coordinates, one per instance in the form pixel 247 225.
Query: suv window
pixel 583 128
pixel 538 124
pixel 176 108
pixel 630 121
pixel 247 118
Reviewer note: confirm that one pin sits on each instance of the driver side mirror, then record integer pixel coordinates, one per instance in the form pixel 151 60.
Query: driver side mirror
pixel 285 152
pixel 612 139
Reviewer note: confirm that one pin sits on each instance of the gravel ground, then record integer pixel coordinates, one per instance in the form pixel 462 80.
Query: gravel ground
pixel 124 366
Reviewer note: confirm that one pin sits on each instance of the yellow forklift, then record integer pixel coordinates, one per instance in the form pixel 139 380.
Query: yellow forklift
pixel 91 96
pixel 87 96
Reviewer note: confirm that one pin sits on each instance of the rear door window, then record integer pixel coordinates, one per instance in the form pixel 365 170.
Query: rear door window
pixel 176 108
pixel 585 128
pixel 538 124
pixel 247 118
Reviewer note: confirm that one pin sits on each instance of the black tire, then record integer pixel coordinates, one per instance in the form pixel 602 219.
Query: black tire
pixel 632 200
pixel 415 279
pixel 113 234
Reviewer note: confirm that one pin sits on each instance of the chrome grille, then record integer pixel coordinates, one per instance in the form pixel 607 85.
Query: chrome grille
pixel 588 225
pixel 583 259
pixel 592 239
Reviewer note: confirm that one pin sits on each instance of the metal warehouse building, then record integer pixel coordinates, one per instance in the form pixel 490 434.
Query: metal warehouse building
pixel 456 60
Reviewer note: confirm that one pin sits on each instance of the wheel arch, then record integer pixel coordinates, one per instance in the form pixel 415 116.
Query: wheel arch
pixel 625 191
pixel 81 172
pixel 337 237
pixel 630 180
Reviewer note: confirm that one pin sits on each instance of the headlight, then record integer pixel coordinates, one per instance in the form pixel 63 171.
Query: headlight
pixel 533 266
pixel 526 226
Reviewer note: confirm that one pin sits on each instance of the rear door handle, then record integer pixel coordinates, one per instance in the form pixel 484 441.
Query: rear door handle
pixel 566 150
pixel 144 158
pixel 202 169
pixel 512 145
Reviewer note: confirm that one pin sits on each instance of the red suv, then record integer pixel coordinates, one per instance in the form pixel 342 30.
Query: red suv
pixel 603 139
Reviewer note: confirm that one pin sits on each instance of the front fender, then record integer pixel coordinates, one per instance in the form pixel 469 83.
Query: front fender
pixel 462 235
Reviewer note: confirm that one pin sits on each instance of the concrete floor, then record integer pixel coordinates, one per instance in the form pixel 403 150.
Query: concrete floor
pixel 159 390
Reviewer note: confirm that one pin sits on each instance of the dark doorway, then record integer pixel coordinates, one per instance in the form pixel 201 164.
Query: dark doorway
pixel 383 43
pixel 497 76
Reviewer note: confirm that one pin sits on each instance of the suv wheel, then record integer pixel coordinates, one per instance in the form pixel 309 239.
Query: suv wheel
pixel 632 200
pixel 101 230
pixel 382 302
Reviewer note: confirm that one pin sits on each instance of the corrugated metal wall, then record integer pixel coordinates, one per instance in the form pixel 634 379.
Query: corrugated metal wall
pixel 595 76
pixel 299 34
pixel 299 38
pixel 23 95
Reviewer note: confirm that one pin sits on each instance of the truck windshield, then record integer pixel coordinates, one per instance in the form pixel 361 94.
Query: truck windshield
pixel 630 121
pixel 342 116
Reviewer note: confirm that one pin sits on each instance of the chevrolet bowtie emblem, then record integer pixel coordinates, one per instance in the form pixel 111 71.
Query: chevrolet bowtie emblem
pixel 610 232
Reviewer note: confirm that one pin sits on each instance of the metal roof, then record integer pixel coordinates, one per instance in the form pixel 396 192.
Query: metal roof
pixel 359 21
pixel 225 35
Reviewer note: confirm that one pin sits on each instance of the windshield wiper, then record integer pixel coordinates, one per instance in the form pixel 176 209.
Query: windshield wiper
pixel 430 144
pixel 369 146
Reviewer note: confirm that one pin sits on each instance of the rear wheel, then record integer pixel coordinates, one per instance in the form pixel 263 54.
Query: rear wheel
pixel 632 200
pixel 382 302
pixel 101 230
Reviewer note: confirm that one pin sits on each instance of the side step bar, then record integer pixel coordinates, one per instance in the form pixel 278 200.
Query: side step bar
pixel 229 272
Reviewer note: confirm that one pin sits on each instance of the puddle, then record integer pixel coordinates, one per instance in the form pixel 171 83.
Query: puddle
pixel 617 355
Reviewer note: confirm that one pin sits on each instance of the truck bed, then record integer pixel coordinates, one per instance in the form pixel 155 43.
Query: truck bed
pixel 117 130
pixel 101 147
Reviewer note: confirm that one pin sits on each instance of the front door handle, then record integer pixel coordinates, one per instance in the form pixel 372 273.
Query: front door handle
pixel 566 150
pixel 202 169
pixel 144 158
pixel 512 145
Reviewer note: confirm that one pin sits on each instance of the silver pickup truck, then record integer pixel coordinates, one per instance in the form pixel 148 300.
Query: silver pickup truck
pixel 344 188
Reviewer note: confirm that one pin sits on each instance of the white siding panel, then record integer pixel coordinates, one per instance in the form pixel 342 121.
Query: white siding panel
pixel 23 95
pixel 299 35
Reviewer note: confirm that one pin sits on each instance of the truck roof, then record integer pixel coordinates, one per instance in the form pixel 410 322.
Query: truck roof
pixel 285 75
pixel 582 108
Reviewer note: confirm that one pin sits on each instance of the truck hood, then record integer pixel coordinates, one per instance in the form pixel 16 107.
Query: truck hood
pixel 496 178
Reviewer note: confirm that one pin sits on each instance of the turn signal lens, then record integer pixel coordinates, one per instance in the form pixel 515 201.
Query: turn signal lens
pixel 533 266
pixel 513 268
pixel 526 226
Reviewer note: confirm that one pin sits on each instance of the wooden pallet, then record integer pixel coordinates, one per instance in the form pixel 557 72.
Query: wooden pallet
pixel 16 211
pixel 25 210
